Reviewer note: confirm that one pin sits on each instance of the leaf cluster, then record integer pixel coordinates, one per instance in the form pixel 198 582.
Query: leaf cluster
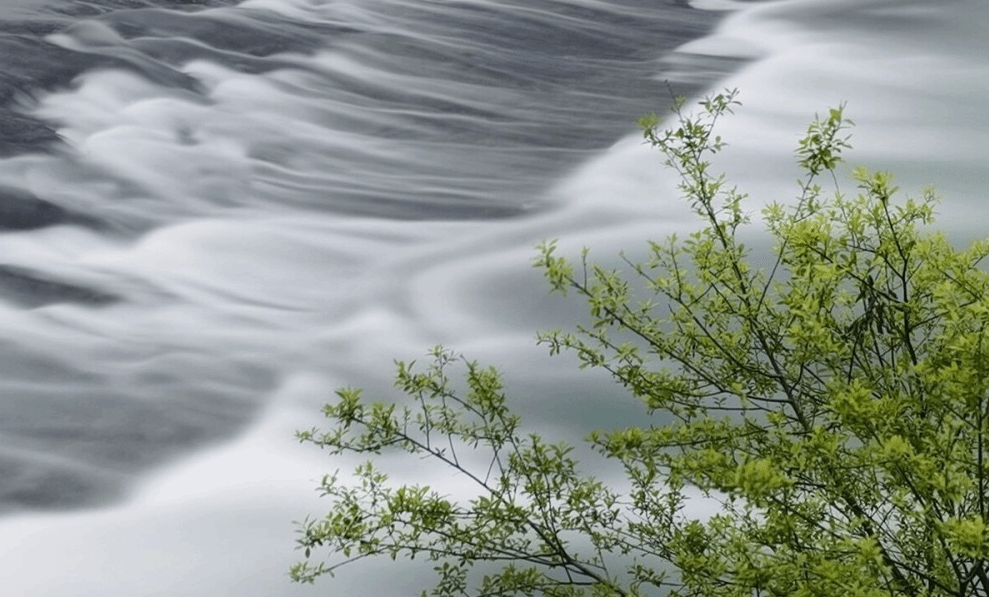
pixel 833 403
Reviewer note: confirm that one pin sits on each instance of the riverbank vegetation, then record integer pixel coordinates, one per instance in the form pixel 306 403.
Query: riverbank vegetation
pixel 831 405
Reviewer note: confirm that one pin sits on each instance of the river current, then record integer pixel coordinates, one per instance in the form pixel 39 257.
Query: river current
pixel 213 214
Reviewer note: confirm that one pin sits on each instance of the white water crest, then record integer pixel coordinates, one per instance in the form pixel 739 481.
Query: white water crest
pixel 249 293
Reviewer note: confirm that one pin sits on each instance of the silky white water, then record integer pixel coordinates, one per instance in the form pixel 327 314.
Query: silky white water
pixel 268 228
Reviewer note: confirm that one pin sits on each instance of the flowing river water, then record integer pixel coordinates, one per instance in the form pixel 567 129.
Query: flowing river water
pixel 212 215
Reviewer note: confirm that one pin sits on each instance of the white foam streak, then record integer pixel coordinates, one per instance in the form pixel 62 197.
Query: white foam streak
pixel 716 4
